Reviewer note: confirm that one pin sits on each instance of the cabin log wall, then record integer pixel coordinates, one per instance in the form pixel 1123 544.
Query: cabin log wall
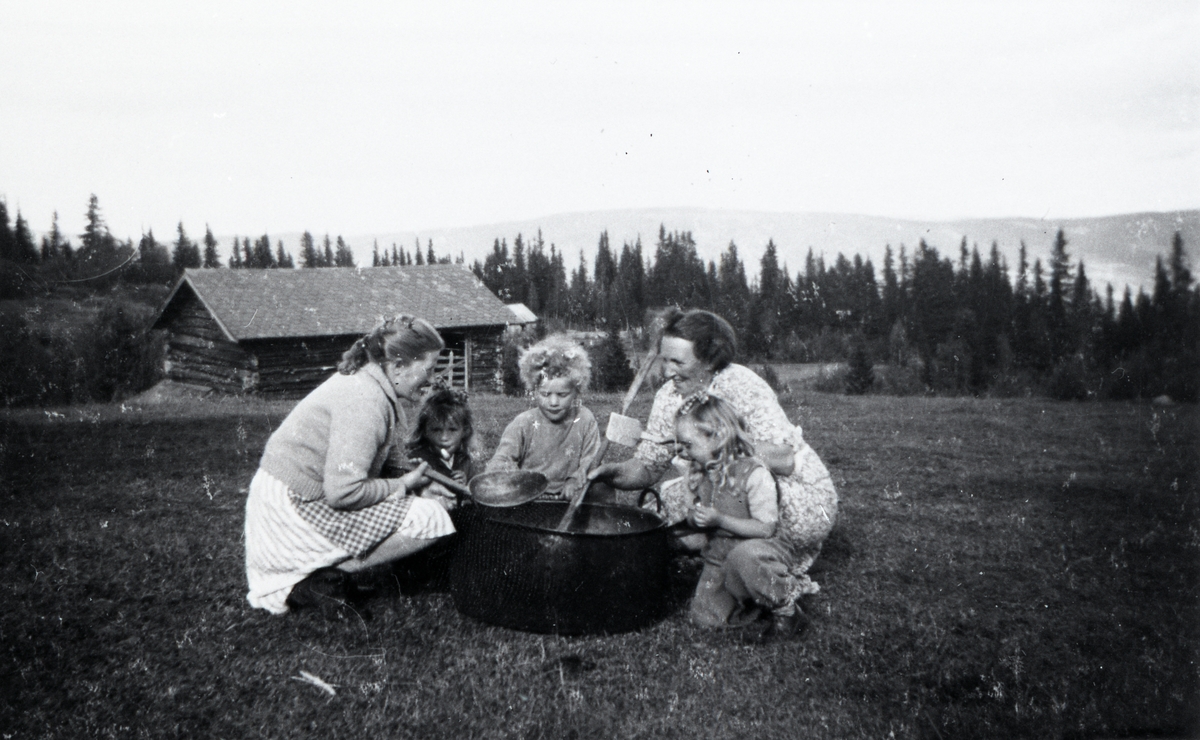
pixel 199 352
pixel 293 367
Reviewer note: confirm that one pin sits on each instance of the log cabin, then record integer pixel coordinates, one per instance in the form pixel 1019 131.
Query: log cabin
pixel 282 332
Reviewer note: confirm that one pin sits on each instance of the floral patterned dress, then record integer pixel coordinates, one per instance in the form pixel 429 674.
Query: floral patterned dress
pixel 807 497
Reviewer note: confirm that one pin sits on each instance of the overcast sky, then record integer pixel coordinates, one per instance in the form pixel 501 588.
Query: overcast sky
pixel 371 117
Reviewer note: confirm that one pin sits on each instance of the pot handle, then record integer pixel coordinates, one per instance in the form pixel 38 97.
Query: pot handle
pixel 657 499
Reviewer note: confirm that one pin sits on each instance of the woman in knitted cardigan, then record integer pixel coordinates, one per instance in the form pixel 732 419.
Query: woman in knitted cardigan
pixel 317 508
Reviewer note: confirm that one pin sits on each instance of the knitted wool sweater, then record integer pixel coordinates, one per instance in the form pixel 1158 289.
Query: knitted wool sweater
pixel 335 441
pixel 561 452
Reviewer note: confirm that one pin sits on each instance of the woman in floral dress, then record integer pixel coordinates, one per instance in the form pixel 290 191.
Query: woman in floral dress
pixel 697 350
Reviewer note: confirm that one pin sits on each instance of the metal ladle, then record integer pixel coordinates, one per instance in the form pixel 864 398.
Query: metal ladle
pixel 501 488
pixel 568 519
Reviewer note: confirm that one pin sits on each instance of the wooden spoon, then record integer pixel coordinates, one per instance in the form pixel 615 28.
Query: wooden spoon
pixel 447 481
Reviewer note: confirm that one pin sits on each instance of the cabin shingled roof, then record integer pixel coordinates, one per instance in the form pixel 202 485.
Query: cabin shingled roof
pixel 522 314
pixel 272 304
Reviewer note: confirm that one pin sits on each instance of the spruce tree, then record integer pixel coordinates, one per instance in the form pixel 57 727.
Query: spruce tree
pixel 99 252
pixel 90 240
pixel 8 242
pixel 309 256
pixel 150 252
pixel 186 253
pixel 866 301
pixel 807 309
pixel 343 257
pixel 1179 309
pixel 264 258
pixel 1181 274
pixel 211 258
pixel 24 249
pixel 518 277
pixel 1082 317
pixel 1056 304
pixel 767 307
pixel 579 309
pixel 283 259
pixel 495 267
pixel 605 296
pixel 733 291
pixel 1022 286
pixel 860 375
pixel 677 276
pixel 52 243
pixel 558 283
pixel 890 301
pixel 611 371
pixel 235 255
pixel 933 302
pixel 631 276
pixel 537 269
pixel 996 310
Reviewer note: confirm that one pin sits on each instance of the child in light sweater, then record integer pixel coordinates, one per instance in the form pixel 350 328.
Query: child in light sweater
pixel 736 503
pixel 559 437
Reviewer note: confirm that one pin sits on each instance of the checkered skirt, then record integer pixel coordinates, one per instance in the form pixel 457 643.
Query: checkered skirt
pixel 358 531
pixel 285 541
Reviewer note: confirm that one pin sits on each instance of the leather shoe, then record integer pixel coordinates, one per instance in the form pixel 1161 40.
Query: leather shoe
pixel 325 589
pixel 786 626
pixel 744 615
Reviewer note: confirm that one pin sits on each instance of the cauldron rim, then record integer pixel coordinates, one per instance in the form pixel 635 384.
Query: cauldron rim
pixel 659 525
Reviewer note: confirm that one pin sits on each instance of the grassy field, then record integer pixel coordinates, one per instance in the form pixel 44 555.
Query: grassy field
pixel 1000 569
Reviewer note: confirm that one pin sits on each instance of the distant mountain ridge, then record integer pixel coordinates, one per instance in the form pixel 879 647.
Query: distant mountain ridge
pixel 1118 249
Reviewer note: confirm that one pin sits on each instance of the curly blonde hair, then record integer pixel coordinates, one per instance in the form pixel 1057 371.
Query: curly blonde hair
pixel 717 419
pixel 556 356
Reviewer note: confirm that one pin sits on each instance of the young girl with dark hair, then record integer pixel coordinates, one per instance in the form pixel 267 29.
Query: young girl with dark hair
pixel 444 437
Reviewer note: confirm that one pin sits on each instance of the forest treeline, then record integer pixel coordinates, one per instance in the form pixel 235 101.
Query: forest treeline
pixel 100 258
pixel 968 323
pixel 965 325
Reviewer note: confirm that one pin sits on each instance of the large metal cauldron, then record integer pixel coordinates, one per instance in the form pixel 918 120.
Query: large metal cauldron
pixel 607 574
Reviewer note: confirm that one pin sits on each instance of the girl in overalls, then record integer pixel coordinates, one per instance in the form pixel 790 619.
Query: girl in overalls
pixel 736 506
